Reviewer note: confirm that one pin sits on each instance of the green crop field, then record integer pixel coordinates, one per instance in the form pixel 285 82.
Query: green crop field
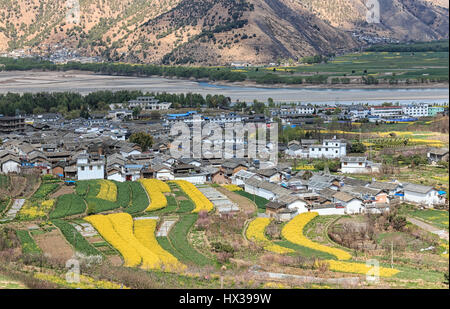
pixel 75 238
pixel 259 201
pixel 179 241
pixel 68 205
pixel 27 242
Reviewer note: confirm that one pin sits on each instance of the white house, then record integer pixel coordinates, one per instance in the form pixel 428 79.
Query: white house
pixel 421 194
pixel 330 148
pixel 270 174
pixel 358 165
pixel 128 151
pixel 352 204
pixel 89 169
pixel 10 164
pixel 294 202
pixel 114 173
pixel 163 172
pixel 267 190
pixel 241 177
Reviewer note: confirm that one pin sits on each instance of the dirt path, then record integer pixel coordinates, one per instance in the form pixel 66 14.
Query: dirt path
pixel 443 234
pixel 244 203
pixel 62 191
pixel 289 278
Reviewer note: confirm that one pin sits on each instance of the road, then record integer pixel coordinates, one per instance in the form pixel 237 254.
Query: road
pixel 443 234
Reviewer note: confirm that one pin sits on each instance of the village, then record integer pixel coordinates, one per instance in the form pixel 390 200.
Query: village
pixel 99 148
pixel 226 209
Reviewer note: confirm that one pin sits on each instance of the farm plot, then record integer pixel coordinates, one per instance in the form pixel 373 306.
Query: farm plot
pixel 74 237
pixel 54 245
pixel 139 200
pixel 144 231
pixel 155 189
pixel 35 209
pixel 178 240
pixel 219 200
pixel 255 233
pixel 45 189
pixel 293 232
pixel 68 205
pixel 135 240
pixel 27 242
pixel 108 190
pixel 438 218
pixel 4 202
pixel 200 201
pixel 259 201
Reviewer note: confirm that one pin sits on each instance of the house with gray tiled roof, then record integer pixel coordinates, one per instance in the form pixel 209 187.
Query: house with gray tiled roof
pixel 421 194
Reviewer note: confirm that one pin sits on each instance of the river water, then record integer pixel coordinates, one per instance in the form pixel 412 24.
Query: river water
pixel 84 83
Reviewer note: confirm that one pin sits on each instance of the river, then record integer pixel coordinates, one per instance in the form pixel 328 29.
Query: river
pixel 84 83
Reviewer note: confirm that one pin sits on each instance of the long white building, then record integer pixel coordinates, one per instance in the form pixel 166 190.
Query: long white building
pixel 145 103
pixel 386 111
pixel 416 110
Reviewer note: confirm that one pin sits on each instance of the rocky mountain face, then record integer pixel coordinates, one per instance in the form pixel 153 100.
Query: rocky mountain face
pixel 214 31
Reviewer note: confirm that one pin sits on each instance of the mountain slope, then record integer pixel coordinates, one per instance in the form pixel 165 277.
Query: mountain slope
pixel 212 31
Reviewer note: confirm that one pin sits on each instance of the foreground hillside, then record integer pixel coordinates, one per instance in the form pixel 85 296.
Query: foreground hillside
pixel 212 31
pixel 155 234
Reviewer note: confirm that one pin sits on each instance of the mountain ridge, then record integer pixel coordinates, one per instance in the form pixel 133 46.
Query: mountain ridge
pixel 206 32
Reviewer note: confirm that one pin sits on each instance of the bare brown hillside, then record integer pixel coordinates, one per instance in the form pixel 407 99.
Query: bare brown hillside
pixel 212 31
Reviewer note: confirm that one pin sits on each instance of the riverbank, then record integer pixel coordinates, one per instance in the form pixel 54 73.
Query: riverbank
pixel 87 82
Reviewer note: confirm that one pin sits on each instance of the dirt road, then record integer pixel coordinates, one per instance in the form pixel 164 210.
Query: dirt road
pixel 443 234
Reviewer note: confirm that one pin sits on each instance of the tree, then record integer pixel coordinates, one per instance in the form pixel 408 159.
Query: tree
pixel 143 139
pixel 136 111
pixel 155 115
pixel 358 147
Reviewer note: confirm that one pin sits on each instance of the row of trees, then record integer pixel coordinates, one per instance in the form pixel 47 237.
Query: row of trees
pixel 73 105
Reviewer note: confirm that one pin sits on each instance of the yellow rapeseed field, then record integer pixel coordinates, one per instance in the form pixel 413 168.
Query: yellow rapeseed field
pixel 232 187
pixel 358 268
pixel 108 190
pixel 155 189
pixel 144 230
pixel 255 232
pixel 293 232
pixel 200 201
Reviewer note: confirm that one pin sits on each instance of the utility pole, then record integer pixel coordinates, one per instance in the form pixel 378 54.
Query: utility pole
pixel 392 254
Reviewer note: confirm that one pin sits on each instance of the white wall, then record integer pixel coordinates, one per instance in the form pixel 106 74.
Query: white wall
pixel 299 206
pixel 195 179
pixel 260 192
pixel 330 211
pixel 354 207
pixel 432 197
pixel 97 172
pixel 117 177
pixel 10 167
pixel 165 175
